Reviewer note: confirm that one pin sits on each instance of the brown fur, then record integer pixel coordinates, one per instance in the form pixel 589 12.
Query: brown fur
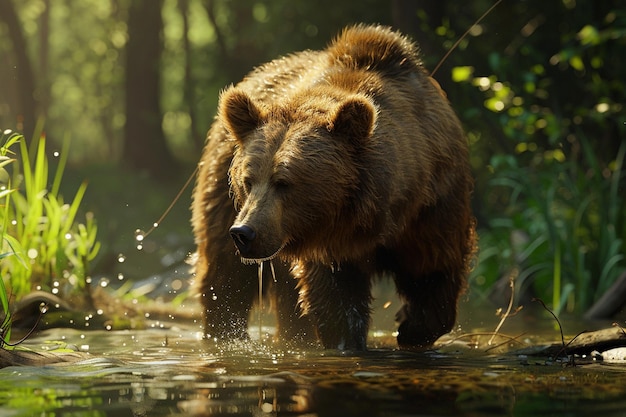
pixel 340 165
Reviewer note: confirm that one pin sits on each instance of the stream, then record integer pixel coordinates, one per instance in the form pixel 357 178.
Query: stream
pixel 173 372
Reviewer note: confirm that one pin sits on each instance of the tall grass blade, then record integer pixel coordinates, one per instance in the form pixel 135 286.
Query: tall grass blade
pixel 56 183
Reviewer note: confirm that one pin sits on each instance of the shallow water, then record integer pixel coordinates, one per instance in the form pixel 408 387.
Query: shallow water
pixel 172 372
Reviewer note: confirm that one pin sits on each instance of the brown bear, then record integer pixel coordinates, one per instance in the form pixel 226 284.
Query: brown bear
pixel 339 165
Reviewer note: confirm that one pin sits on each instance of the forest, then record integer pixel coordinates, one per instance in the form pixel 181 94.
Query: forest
pixel 540 87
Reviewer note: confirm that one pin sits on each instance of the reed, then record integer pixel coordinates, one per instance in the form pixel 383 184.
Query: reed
pixel 44 244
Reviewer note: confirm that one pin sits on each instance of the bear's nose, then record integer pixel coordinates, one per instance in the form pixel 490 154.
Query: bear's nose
pixel 243 236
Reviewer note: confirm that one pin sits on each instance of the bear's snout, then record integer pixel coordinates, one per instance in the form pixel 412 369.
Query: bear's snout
pixel 243 236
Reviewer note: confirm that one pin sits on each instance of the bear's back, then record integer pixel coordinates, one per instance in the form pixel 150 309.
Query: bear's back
pixel 374 49
pixel 274 81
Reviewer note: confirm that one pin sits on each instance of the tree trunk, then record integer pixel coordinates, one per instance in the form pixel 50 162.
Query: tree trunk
pixel 189 84
pixel 145 147
pixel 43 64
pixel 26 107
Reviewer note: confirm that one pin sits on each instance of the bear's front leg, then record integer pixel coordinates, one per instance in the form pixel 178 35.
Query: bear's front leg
pixel 337 301
pixel 227 293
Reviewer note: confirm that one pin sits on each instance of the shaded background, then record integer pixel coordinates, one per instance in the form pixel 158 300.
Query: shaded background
pixel 539 87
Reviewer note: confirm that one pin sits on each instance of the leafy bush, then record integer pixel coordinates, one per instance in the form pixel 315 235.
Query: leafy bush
pixel 569 221
pixel 556 167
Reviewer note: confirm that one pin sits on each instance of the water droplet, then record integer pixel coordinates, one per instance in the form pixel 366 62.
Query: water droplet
pixel 139 235
pixel 56 154
pixel 139 246
pixel 273 271
pixel 155 224
pixel 68 236
pixel 120 276
pixel 214 297
pixel 121 258
pixel 43 308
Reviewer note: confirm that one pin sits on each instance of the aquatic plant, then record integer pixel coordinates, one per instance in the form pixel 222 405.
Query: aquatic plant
pixel 44 247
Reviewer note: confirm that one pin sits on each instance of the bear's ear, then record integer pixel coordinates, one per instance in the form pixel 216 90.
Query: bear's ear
pixel 238 113
pixel 354 118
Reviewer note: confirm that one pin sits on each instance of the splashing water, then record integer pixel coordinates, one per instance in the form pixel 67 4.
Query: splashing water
pixel 139 237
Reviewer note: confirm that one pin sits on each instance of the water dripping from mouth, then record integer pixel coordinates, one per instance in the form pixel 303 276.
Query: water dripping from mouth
pixel 260 271
pixel 272 269
pixel 260 305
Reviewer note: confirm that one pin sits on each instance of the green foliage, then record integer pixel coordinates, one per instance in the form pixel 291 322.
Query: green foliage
pixel 50 249
pixel 555 170
pixel 567 222
pixel 10 246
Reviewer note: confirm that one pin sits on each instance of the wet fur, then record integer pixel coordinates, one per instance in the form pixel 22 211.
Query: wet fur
pixel 348 163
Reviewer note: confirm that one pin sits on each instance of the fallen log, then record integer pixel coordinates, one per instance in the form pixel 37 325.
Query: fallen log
pixel 22 357
pixel 583 344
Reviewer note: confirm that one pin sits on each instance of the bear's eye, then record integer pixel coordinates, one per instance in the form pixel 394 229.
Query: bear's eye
pixel 281 184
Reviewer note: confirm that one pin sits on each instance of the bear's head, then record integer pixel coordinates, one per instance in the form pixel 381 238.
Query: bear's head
pixel 296 169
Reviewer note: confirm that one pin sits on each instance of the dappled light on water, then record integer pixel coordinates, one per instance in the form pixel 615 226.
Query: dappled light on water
pixel 174 372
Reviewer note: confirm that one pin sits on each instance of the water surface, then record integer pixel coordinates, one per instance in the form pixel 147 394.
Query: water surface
pixel 171 372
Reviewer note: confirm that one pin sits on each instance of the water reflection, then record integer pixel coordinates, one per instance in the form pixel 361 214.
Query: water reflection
pixel 172 372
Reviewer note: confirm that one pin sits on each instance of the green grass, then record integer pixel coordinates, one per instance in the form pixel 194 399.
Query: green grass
pixel 44 245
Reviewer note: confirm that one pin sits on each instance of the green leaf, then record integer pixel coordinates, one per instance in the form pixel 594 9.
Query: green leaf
pixel 462 74
pixel 17 250
pixel 61 167
pixel 577 63
pixel 589 35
